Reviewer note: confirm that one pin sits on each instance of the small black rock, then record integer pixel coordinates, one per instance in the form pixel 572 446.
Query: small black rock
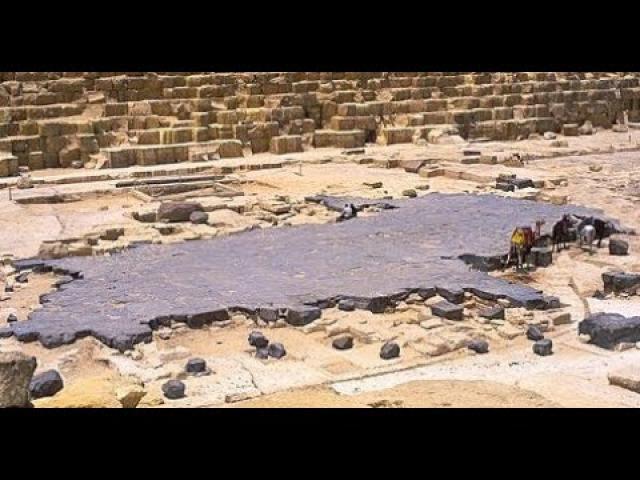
pixel 303 316
pixel 534 334
pixel 269 314
pixel 258 340
pixel 448 310
pixel 8 288
pixel 12 318
pixel 479 346
pixel 492 313
pixel 346 306
pixel 607 330
pixel 47 384
pixel 543 348
pixel 343 343
pixel 23 278
pixel 618 247
pixel 199 218
pixel 277 350
pixel 262 353
pixel 550 302
pixel 6 332
pixel 390 350
pixel 174 389
pixel 196 365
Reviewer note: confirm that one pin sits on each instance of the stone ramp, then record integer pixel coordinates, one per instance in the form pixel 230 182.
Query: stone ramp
pixel 373 260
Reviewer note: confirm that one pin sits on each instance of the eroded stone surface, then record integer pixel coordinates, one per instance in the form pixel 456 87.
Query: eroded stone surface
pixel 414 246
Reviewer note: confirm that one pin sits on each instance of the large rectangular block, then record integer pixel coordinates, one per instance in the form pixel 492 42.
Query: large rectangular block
pixel 448 310
pixel 394 135
pixel 8 165
pixel 286 144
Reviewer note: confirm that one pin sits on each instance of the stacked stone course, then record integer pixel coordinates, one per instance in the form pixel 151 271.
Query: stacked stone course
pixel 119 119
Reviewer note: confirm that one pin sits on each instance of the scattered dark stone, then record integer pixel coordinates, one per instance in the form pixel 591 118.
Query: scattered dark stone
pixel 599 295
pixel 509 183
pixel 549 303
pixel 374 305
pixel 199 320
pixel 262 353
pixel 196 321
pixel 199 218
pixel 534 334
pixel 373 185
pixel 543 348
pixel 258 340
pixel 343 343
pixel 492 313
pixel 618 247
pixel 607 330
pixel 174 389
pixel 269 314
pixel 23 277
pixel 177 211
pixel 426 293
pixel 196 365
pixel 277 350
pixel 326 303
pixel 121 342
pixel 12 318
pixel 8 288
pixel 505 187
pixel 47 384
pixel 208 274
pixel 6 332
pixel 448 310
pixel 542 256
pixel 346 305
pixel 520 183
pixel 299 317
pixel 453 295
pixel 620 282
pixel 479 346
pixel 390 350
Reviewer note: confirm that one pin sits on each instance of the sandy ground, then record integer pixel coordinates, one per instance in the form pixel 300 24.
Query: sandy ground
pixel 418 394
pixel 313 374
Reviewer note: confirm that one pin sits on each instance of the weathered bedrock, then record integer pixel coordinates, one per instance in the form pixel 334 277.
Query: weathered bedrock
pixel 371 261
pixel 607 330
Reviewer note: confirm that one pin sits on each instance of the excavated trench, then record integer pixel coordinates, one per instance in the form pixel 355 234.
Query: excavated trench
pixel 411 246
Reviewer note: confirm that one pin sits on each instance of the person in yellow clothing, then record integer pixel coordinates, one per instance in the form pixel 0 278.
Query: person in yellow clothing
pixel 518 241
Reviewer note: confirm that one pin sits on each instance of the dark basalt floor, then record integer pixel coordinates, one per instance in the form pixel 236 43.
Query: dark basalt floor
pixel 413 246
